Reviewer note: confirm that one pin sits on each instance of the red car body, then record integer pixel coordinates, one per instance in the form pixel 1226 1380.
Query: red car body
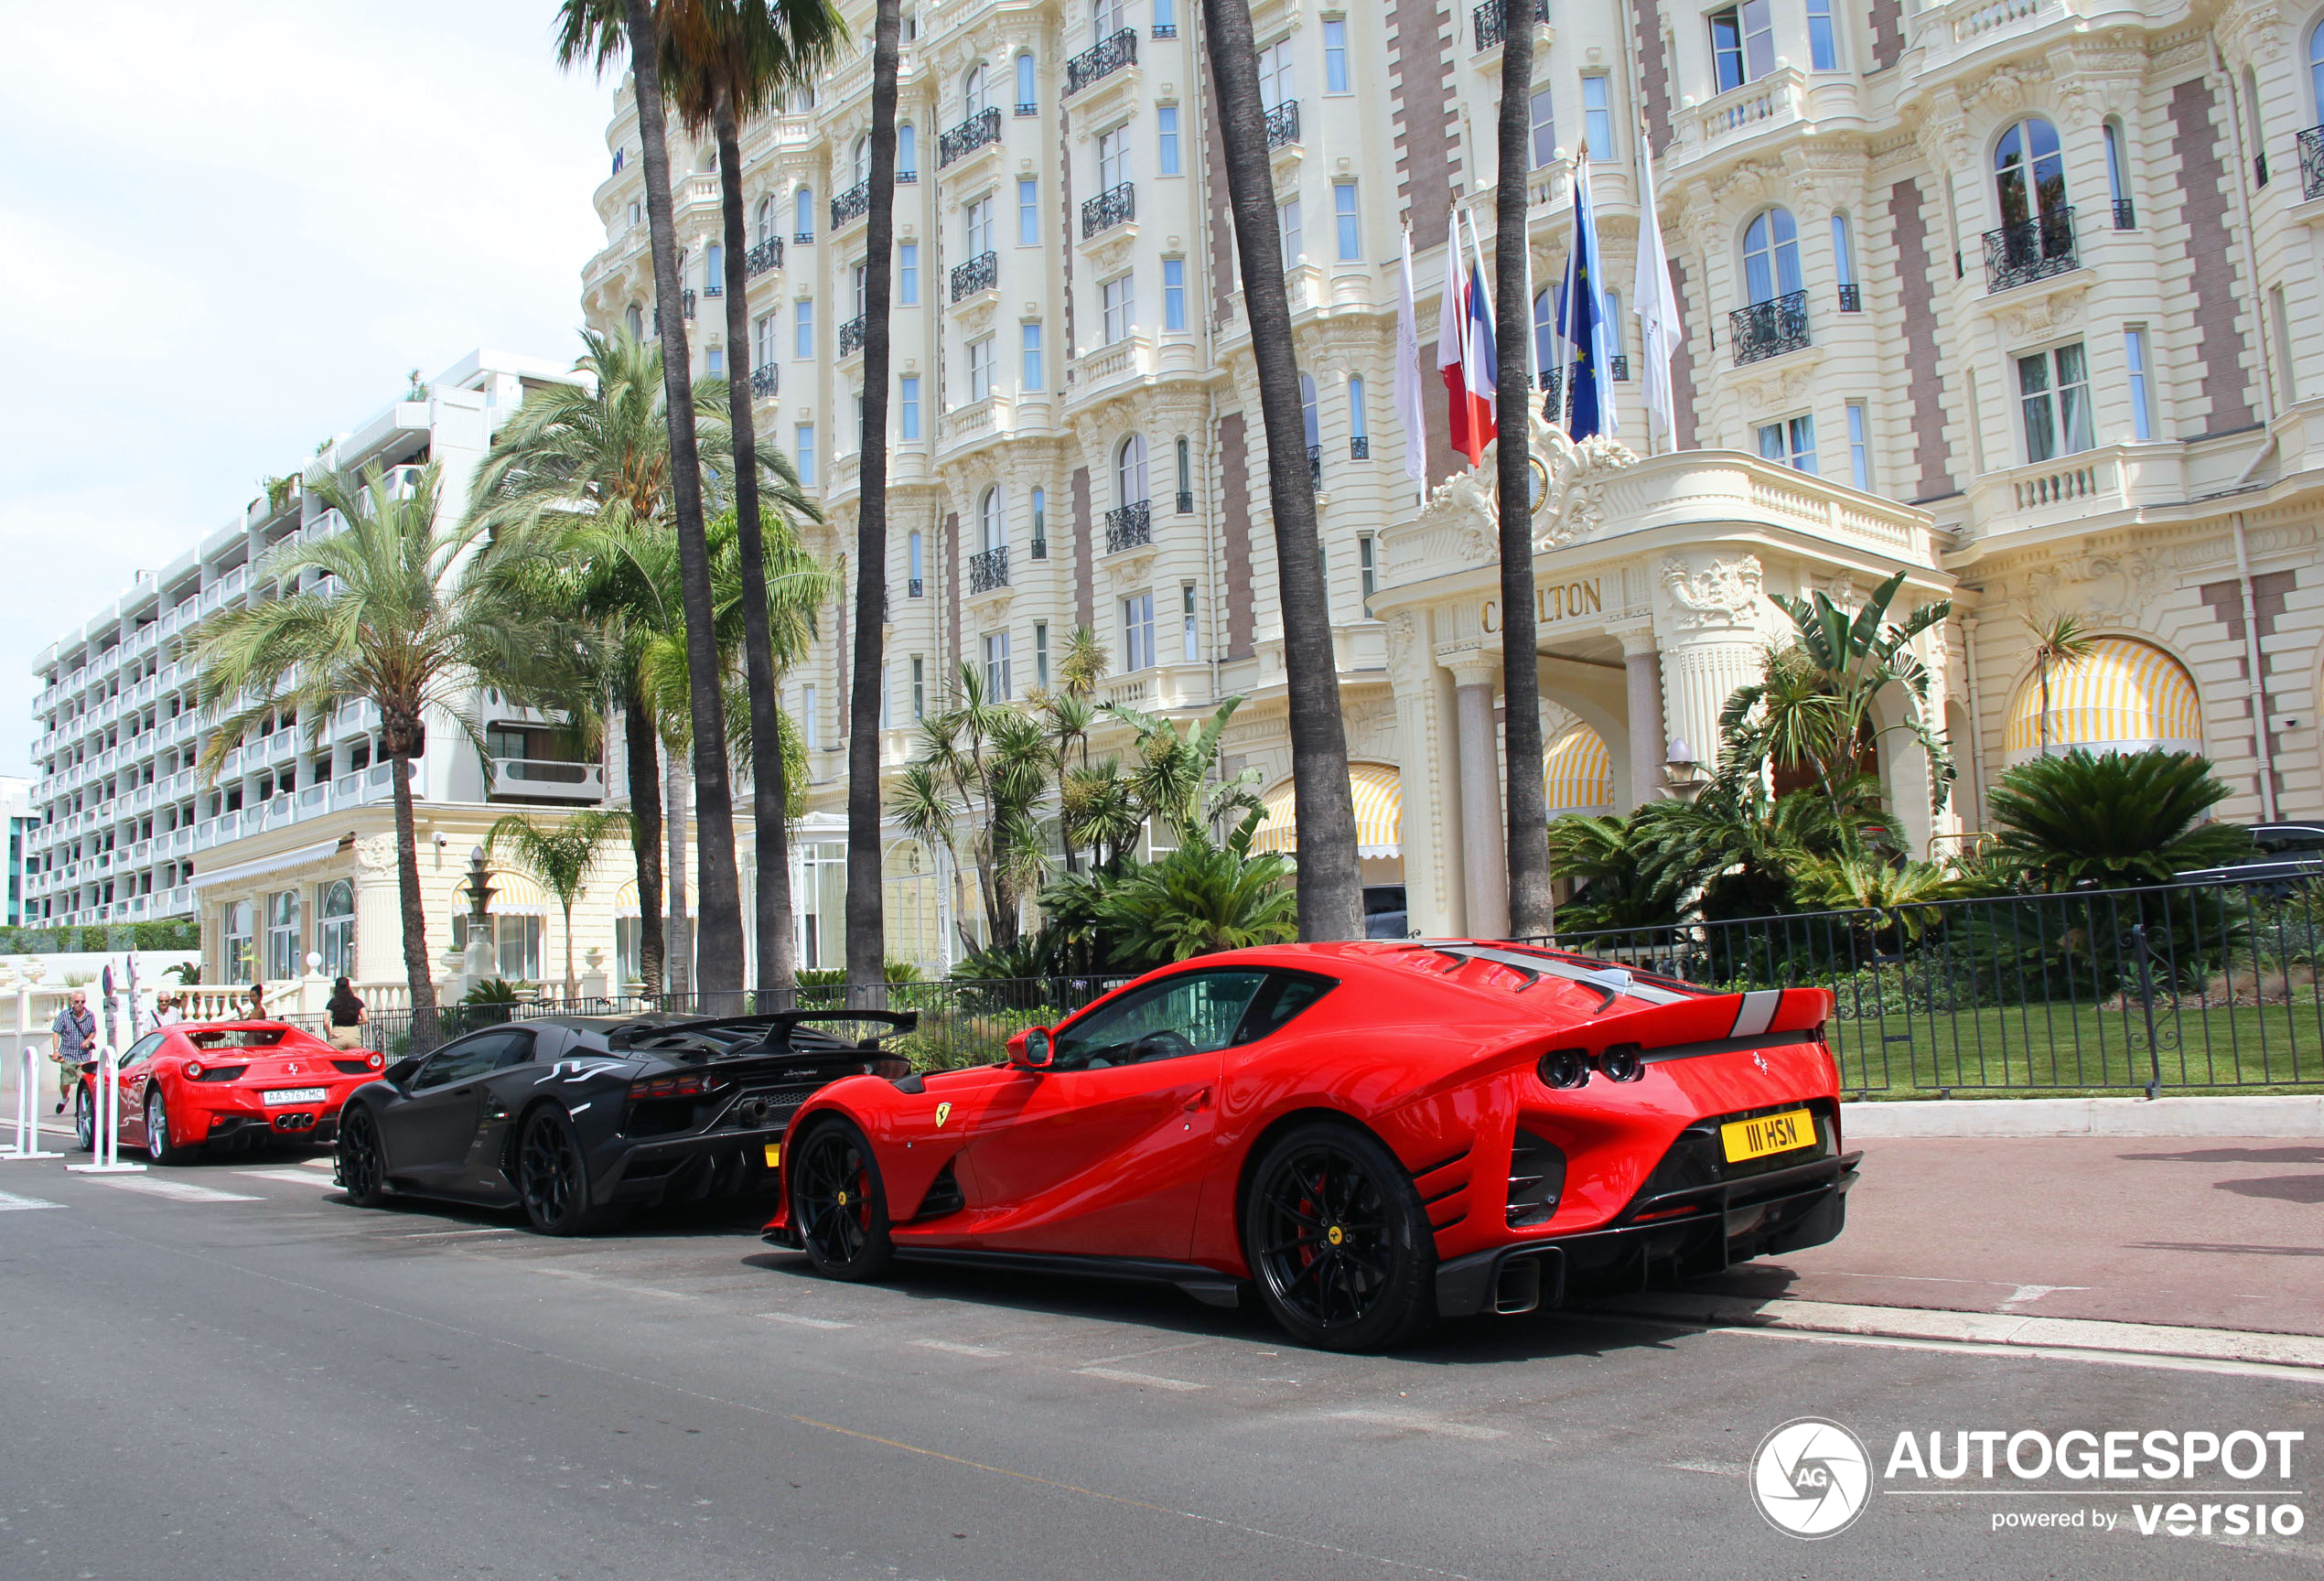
pixel 1446 1053
pixel 221 1083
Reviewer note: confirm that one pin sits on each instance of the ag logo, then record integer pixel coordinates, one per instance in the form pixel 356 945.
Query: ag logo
pixel 943 1113
pixel 1811 1477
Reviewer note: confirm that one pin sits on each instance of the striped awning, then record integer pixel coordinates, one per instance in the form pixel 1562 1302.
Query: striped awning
pixel 2124 696
pixel 625 898
pixel 1379 792
pixel 1577 774
pixel 513 894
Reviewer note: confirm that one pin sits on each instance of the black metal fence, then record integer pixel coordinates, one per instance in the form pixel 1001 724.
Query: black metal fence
pixel 2190 987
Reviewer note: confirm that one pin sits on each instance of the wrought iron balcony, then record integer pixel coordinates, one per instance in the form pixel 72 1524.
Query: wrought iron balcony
pixel 1114 206
pixel 1165 30
pixel 981 273
pixel 1851 298
pixel 2259 168
pixel 766 256
pixel 2125 214
pixel 1314 464
pixel 1186 501
pixel 851 335
pixel 2312 162
pixel 1093 65
pixel 1487 22
pixel 971 135
pixel 851 204
pixel 801 238
pixel 686 301
pixel 1283 125
pixel 914 587
pixel 766 382
pixel 1769 328
pixel 988 570
pixel 906 178
pixel 1360 448
pixel 1128 527
pixel 1028 109
pixel 1618 369
pixel 713 287
pixel 2030 250
pixel 1040 549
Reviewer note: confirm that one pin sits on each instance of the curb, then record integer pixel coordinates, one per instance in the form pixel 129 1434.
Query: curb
pixel 2000 1328
pixel 2267 1114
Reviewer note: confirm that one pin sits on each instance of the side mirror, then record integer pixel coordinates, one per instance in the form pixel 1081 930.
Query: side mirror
pixel 401 1071
pixel 1032 1049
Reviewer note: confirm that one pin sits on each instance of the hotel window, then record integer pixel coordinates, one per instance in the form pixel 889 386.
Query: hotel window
pixel 1791 442
pixel 980 368
pixel 886 720
pixel 810 723
pixel 1359 426
pixel 1275 74
pixel 2142 399
pixel 1119 300
pixel 1343 215
pixel 997 686
pixel 1189 649
pixel 715 357
pixel 802 452
pixel 974 98
pixel 713 270
pixel 908 406
pixel 1173 293
pixel 283 936
pixel 978 226
pixel 335 928
pixel 635 317
pixel 908 272
pixel 907 153
pixel 1287 218
pixel 803 330
pixel 803 214
pixel 2282 320
pixel 1026 103
pixel 1859 447
pixel 1823 45
pixel 518 943
pixel 913 587
pixel 766 218
pixel 2118 175
pixel 1771 256
pixel 1844 262
pixel 1042 655
pixel 1335 55
pixel 992 519
pixel 1165 138
pixel 1186 474
pixel 1544 116
pixel 1137 632
pixel 1029 212
pixel 1112 157
pixel 1166 18
pixel 2053 389
pixel 1368 568
pixel 1598 115
pixel 1742 45
pixel 1029 338
pixel 1041 522
pixel 920 688
pixel 767 351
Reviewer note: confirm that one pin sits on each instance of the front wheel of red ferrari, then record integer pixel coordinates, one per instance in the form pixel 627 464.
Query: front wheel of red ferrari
pixel 837 1202
pixel 1337 1236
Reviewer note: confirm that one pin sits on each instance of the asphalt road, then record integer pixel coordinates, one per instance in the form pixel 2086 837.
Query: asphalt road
pixel 246 1377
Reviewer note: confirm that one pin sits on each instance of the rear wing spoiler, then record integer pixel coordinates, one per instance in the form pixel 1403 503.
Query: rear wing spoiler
pixel 777 1024
pixel 1689 1028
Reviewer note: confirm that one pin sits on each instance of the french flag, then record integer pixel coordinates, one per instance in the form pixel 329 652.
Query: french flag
pixel 1465 351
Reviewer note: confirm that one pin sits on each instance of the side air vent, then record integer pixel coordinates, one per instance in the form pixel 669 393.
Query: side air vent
pixel 1536 1179
pixel 944 1196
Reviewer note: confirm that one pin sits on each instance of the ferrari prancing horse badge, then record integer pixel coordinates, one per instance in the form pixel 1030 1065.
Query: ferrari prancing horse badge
pixel 943 1113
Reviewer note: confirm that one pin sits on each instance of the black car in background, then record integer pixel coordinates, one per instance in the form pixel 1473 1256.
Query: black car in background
pixel 2282 855
pixel 576 1118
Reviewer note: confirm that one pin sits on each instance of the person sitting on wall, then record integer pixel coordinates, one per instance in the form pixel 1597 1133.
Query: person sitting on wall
pixel 348 1014
pixel 256 1007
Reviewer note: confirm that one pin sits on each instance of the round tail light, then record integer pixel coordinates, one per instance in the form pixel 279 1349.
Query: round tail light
pixel 378 1061
pixel 193 1069
pixel 1566 1068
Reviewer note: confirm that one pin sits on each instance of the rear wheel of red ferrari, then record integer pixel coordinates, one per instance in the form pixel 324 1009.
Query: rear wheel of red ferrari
pixel 1335 1231
pixel 838 1203
pixel 160 1145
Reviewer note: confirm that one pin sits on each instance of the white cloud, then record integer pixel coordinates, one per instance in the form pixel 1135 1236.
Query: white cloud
pixel 269 212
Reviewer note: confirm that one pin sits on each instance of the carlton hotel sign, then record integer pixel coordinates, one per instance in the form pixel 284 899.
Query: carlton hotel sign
pixel 1552 603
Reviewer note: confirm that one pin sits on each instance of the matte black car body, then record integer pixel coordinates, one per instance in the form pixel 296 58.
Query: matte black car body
pixel 2282 855
pixel 447 1124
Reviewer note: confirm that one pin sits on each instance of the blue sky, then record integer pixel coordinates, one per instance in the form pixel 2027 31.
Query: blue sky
pixel 227 232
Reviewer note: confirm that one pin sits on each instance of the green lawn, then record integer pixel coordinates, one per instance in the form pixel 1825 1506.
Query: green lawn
pixel 2081 1048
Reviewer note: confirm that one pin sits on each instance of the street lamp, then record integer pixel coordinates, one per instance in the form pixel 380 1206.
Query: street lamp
pixel 1683 772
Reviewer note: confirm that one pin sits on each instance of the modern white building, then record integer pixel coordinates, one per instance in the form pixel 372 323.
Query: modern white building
pixel 16 806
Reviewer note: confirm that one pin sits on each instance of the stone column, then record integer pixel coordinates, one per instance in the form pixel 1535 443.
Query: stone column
pixel 378 911
pixel 1483 851
pixel 1643 659
pixel 1712 644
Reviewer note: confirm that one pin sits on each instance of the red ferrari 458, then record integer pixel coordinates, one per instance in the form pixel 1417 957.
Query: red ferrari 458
pixel 227 1083
pixel 1371 1134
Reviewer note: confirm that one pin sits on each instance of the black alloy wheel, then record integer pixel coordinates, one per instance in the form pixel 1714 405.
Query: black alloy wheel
pixel 84 1121
pixel 1335 1230
pixel 362 1168
pixel 160 1145
pixel 552 1175
pixel 837 1203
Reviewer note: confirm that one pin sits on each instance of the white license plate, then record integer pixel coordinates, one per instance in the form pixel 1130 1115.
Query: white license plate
pixel 296 1096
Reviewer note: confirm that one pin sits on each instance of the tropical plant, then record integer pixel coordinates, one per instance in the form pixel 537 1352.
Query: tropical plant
pixel 562 855
pixel 983 766
pixel 2111 820
pixel 1197 900
pixel 725 60
pixel 597 31
pixel 2058 642
pixel 1814 706
pixel 1172 780
pixel 392 610
pixel 1864 880
pixel 1330 880
pixel 1605 860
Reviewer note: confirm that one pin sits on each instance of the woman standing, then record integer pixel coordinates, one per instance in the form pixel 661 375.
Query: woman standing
pixel 348 1014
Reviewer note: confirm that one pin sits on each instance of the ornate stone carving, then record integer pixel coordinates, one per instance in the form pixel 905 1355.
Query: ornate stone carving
pixel 1463 504
pixel 1403 632
pixel 376 853
pixel 2109 587
pixel 2039 316
pixel 1727 595
pixel 1574 506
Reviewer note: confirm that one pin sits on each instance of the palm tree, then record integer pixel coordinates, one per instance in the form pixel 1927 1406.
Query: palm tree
pixel 597 31
pixel 2063 641
pixel 394 611
pixel 984 763
pixel 726 59
pixel 1531 908
pixel 867 917
pixel 1330 880
pixel 2112 819
pixel 560 855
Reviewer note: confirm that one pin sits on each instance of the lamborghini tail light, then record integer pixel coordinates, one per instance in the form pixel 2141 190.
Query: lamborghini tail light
pixel 686 1086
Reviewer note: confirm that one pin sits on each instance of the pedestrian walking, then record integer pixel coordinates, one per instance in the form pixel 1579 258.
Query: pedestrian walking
pixel 348 1014
pixel 76 1031
pixel 168 1011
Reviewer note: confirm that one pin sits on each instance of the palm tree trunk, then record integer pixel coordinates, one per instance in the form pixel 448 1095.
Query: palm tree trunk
pixel 866 909
pixel 1330 881
pixel 572 983
pixel 718 966
pixel 683 963
pixel 1530 914
pixel 777 968
pixel 416 974
pixel 644 766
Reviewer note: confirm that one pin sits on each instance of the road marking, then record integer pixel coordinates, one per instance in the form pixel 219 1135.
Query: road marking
pixel 622 1285
pixel 433 1234
pixel 1421 1424
pixel 12 1203
pixel 1711 1468
pixel 296 1177
pixel 2025 1292
pixel 1147 1380
pixel 175 1190
pixel 957 1348
pixel 804 1322
pixel 317 1164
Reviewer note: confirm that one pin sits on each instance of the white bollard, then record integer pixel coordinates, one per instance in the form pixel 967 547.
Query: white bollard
pixel 28 1087
pixel 105 1155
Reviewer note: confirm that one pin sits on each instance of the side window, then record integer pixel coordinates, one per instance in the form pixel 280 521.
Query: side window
pixel 517 1050
pixel 142 1048
pixel 466 1061
pixel 1278 1004
pixel 1194 1012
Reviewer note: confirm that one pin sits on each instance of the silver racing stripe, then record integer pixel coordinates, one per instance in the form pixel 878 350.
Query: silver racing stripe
pixel 1757 1013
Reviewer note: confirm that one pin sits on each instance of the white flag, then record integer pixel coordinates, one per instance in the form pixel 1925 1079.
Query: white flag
pixel 1411 411
pixel 1656 305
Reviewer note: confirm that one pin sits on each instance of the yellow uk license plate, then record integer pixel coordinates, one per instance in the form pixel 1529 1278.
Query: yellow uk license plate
pixel 1784 1133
